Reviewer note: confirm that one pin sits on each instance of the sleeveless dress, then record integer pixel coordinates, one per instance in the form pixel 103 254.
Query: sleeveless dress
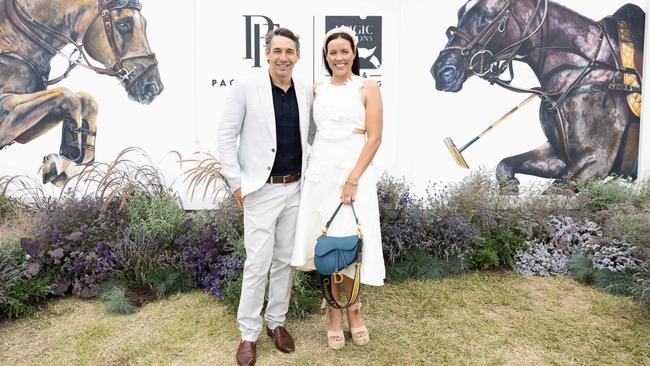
pixel 337 111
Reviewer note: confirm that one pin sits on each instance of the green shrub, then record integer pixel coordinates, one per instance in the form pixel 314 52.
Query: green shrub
pixel 641 287
pixel 237 246
pixel 599 195
pixel 582 269
pixel 12 267
pixel 169 280
pixel 113 296
pixel 232 292
pixel 422 265
pixel 25 294
pixel 10 274
pixel 305 294
pixel 630 224
pixel 498 246
pixel 232 218
pixel 8 208
pixel 137 257
pixel 470 197
pixel 476 205
pixel 486 257
pixel 615 283
pixel 160 215
pixel 20 292
pixel 11 247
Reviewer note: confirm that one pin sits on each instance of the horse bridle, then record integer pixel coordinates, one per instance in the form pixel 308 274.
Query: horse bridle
pixel 476 47
pixel 498 63
pixel 24 22
pixel 105 8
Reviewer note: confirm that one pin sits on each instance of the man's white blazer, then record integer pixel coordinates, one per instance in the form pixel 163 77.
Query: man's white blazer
pixel 249 115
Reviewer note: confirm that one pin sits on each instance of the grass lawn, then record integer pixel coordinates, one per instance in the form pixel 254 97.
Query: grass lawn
pixel 476 319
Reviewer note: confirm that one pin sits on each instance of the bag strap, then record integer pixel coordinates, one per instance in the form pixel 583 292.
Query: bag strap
pixel 327 226
pixel 326 289
pixel 356 219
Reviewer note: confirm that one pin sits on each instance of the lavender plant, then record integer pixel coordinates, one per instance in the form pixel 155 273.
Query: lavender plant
pixel 137 257
pixel 448 235
pixel 403 218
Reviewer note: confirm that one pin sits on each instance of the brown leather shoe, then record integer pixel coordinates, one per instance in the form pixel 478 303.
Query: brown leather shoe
pixel 246 355
pixel 282 338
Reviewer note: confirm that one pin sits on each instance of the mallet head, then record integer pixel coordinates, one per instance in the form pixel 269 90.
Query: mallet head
pixel 453 150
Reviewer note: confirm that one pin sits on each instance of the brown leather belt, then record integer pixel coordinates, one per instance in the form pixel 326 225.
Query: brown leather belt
pixel 284 179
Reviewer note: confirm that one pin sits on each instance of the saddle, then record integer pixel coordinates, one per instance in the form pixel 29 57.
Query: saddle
pixel 626 29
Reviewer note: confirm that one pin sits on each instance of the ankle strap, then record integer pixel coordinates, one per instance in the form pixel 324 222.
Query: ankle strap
pixel 356 306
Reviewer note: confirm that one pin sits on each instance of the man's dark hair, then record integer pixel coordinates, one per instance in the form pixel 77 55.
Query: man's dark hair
pixel 284 32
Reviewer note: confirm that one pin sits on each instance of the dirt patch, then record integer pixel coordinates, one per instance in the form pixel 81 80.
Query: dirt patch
pixel 20 225
pixel 141 295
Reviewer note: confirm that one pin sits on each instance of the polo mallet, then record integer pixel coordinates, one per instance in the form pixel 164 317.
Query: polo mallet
pixel 458 153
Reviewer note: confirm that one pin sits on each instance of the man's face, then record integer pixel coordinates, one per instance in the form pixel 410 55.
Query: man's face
pixel 282 56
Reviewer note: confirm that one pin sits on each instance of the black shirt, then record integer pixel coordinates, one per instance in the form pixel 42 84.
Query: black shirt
pixel 288 158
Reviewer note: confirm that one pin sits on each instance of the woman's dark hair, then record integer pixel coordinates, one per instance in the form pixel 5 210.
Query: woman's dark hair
pixel 355 62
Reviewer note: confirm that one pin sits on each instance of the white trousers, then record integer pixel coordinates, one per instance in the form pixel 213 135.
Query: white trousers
pixel 269 232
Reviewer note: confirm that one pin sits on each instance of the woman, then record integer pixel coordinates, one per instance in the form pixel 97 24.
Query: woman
pixel 348 115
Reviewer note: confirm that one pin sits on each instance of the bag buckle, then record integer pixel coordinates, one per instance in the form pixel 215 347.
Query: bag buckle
pixel 337 277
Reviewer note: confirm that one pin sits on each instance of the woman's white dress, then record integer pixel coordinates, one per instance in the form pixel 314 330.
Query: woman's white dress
pixel 338 110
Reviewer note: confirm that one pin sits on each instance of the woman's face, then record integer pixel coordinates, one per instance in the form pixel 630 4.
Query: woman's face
pixel 339 57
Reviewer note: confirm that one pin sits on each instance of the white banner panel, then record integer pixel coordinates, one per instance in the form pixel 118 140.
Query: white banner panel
pixel 204 46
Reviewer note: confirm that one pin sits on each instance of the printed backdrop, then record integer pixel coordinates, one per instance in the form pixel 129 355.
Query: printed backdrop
pixel 204 46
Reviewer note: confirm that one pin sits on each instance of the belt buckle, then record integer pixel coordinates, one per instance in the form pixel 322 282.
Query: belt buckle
pixel 281 179
pixel 277 180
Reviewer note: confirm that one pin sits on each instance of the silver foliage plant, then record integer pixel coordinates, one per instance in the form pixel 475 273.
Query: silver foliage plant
pixel 617 256
pixel 568 239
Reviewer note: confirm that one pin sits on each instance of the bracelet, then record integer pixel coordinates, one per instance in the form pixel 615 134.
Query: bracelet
pixel 352 183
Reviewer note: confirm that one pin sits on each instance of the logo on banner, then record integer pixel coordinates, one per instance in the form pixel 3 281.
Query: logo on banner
pixel 368 31
pixel 256 28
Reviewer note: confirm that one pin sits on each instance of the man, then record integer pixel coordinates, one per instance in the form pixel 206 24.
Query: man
pixel 269 113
